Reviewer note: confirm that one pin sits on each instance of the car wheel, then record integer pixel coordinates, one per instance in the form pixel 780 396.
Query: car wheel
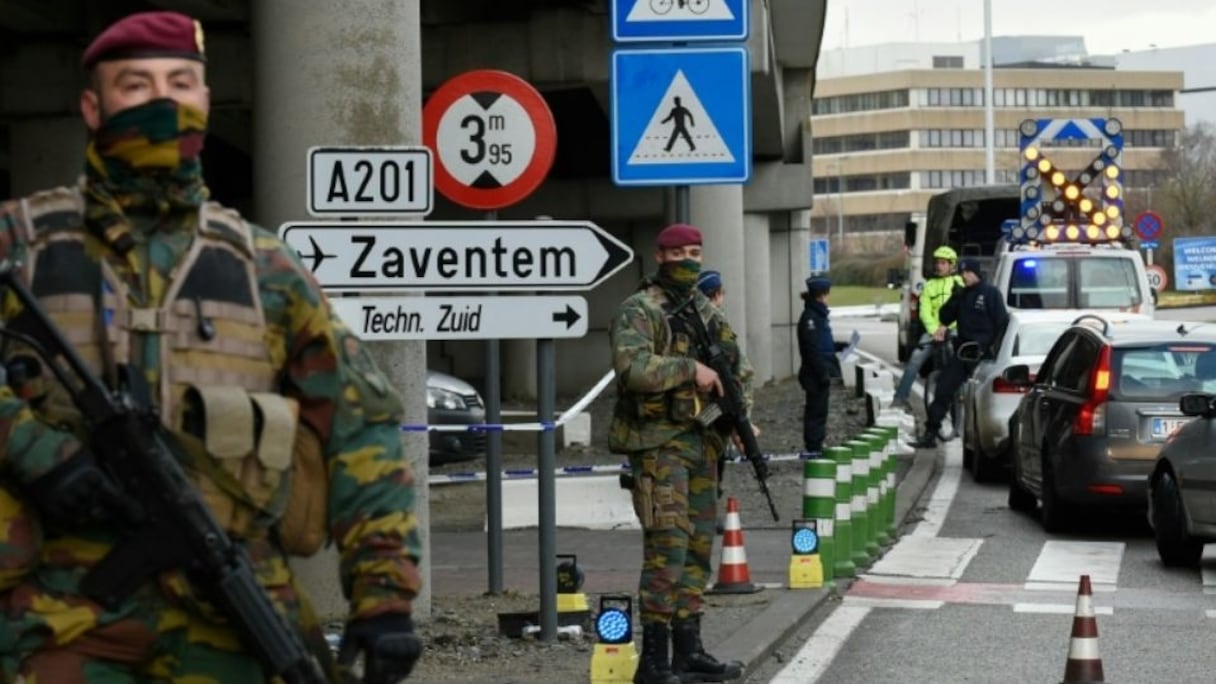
pixel 1175 545
pixel 984 469
pixel 1020 498
pixel 1055 513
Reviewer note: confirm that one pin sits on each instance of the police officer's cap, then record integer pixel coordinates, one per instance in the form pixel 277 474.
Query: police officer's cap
pixel 678 235
pixel 709 282
pixel 147 34
pixel 817 285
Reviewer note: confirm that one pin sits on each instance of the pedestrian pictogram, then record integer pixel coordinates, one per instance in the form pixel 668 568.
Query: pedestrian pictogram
pixel 680 130
pixel 679 20
pixel 493 136
pixel 681 116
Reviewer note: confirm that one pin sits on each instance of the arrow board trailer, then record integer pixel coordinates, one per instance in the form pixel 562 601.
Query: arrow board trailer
pixel 462 318
pixel 370 180
pixel 454 255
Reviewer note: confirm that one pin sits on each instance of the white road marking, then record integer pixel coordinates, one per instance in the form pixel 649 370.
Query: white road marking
pixel 1210 613
pixel 940 557
pixel 1207 569
pixel 1062 563
pixel 1058 609
pixel 909 581
pixel 817 654
pixel 943 494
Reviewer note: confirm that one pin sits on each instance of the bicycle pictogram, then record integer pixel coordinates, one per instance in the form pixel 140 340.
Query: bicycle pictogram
pixel 665 6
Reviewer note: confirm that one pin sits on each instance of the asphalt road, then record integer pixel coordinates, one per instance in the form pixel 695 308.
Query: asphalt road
pixel 979 593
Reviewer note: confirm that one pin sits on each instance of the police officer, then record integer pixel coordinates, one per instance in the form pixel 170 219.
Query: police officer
pixel 662 386
pixel 979 310
pixel 295 430
pixel 817 350
pixel 932 297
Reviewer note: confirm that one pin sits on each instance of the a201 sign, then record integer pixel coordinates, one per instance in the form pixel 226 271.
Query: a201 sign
pixel 370 180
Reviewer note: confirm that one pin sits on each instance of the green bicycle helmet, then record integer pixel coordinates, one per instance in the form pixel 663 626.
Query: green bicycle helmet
pixel 946 253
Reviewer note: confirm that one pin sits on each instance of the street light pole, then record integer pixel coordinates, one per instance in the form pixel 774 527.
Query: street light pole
pixel 840 203
pixel 989 123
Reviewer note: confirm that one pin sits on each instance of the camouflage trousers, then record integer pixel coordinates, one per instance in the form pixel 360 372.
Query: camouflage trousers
pixel 675 498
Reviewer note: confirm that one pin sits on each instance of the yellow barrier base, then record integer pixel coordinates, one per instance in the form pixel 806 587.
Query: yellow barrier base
pixel 806 572
pixel 569 603
pixel 613 663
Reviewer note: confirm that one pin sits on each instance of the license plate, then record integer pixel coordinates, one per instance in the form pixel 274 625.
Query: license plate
pixel 1164 427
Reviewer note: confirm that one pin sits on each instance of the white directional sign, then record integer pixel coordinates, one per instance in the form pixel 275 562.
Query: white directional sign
pixel 369 180
pixel 455 255
pixel 463 318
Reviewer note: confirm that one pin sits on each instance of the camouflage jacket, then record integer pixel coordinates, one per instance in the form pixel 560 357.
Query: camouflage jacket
pixel 655 368
pixel 341 394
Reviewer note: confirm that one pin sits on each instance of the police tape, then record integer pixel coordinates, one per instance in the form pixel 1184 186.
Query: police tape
pixel 585 470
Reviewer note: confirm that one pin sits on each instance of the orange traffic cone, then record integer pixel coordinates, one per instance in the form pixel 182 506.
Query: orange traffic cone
pixel 733 575
pixel 1084 664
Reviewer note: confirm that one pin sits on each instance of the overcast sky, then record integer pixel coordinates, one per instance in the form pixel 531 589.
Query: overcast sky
pixel 1109 26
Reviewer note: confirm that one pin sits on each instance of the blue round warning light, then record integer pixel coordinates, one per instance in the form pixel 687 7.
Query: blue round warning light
pixel 612 626
pixel 1028 263
pixel 805 541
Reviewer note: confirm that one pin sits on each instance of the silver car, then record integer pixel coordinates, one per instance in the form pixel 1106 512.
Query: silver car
pixel 989 401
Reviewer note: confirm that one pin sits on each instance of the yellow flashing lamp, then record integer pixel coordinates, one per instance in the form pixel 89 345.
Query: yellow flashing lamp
pixel 1112 171
pixel 1072 232
pixel 1032 153
pixel 1112 212
pixel 1112 191
pixel 1072 192
pixel 1099 219
pixel 1052 233
pixel 1044 165
pixel 1086 205
pixel 1112 232
pixel 1058 178
pixel 1093 233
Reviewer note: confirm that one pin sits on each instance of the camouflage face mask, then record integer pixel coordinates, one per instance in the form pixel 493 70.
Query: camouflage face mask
pixel 680 276
pixel 158 134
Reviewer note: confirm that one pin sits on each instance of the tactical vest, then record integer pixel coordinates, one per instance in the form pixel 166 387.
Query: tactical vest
pixel 217 375
pixel 643 421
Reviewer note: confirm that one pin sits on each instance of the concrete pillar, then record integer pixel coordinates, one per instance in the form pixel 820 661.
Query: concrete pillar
pixel 46 153
pixel 798 267
pixel 346 73
pixel 718 211
pixel 759 300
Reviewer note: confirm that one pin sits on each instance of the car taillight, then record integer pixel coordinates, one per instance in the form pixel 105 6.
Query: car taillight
pixel 1091 417
pixel 1002 386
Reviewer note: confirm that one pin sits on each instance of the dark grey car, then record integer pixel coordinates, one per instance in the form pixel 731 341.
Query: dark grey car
pixel 452 401
pixel 1092 424
pixel 1182 487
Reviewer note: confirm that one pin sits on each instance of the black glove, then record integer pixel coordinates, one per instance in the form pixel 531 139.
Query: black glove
pixel 389 645
pixel 78 492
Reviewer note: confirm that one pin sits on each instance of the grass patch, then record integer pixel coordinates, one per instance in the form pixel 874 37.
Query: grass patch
pixel 857 295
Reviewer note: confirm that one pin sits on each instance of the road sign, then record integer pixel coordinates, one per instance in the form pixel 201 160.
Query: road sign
pixel 1149 225
pixel 462 318
pixel 1157 278
pixel 455 255
pixel 659 21
pixel 820 259
pixel 681 117
pixel 369 180
pixel 1053 197
pixel 493 136
pixel 1194 263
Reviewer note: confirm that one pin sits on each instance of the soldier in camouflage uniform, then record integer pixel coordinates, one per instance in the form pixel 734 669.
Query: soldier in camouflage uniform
pixel 662 387
pixel 295 431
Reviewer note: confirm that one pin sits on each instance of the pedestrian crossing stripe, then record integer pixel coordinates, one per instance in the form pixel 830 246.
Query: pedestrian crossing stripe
pixel 680 130
pixel 675 10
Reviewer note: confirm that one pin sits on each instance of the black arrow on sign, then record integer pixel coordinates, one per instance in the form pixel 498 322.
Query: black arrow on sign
pixel 616 256
pixel 569 317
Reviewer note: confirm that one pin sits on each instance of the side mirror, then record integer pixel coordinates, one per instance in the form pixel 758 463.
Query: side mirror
pixel 1195 404
pixel 1018 375
pixel 910 234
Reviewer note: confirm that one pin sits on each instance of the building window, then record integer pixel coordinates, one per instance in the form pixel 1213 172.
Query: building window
pixel 947 62
pixel 860 102
pixel 863 183
pixel 1149 138
pixel 888 140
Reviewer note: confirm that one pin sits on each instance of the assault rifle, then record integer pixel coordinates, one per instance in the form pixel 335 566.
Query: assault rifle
pixel 172 526
pixel 730 406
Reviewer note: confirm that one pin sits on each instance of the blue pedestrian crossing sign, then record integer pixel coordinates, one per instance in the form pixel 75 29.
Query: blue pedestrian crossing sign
pixel 660 21
pixel 681 117
pixel 819 255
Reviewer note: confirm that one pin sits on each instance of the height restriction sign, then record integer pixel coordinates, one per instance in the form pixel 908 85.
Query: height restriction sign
pixel 493 137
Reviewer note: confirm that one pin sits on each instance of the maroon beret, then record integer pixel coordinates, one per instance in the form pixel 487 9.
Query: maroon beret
pixel 678 235
pixel 147 34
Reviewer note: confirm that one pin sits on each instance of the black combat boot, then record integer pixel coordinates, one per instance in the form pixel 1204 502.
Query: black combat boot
pixel 689 659
pixel 653 666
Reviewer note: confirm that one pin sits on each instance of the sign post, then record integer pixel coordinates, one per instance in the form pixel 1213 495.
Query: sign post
pixel 495 139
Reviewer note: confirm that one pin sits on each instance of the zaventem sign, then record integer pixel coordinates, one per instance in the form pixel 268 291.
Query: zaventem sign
pixel 451 255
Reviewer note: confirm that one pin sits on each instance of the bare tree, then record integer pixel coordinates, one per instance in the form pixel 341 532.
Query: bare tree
pixel 1188 195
